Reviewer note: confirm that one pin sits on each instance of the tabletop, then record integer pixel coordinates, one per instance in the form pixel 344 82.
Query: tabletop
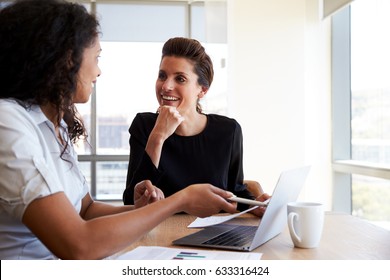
pixel 344 237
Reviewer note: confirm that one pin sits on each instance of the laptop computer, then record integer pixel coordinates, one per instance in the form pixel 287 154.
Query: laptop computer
pixel 247 238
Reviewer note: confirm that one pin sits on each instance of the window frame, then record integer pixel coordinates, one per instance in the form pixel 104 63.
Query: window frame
pixel 342 164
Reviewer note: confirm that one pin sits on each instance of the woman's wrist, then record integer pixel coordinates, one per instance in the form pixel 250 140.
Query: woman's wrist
pixel 176 203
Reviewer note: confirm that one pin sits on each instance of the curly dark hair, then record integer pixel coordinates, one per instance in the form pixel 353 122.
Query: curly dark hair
pixel 41 48
pixel 192 49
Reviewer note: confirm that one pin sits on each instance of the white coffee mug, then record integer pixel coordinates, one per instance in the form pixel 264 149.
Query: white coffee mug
pixel 305 222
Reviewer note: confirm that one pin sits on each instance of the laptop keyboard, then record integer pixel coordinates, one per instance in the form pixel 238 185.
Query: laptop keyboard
pixel 237 236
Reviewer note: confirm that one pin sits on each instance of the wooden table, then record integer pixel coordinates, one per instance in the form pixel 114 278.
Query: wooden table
pixel 344 238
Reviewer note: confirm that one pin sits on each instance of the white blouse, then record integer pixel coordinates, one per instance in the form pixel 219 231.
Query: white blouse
pixel 30 168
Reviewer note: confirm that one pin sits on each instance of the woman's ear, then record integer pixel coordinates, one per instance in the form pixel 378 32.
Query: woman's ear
pixel 69 60
pixel 203 92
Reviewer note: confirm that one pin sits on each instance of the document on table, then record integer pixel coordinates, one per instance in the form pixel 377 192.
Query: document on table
pixel 214 220
pixel 165 253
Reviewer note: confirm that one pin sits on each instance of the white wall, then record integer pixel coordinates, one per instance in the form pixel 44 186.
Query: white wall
pixel 279 90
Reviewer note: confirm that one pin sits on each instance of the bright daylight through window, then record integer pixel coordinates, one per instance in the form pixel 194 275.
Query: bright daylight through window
pixel 370 105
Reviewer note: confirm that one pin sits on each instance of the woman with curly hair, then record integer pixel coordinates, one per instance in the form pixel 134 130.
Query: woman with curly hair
pixel 49 54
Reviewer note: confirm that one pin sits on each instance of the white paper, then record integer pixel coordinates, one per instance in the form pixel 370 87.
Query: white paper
pixel 214 220
pixel 165 253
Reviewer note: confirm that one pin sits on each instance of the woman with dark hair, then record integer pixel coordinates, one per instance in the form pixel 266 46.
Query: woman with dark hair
pixel 179 144
pixel 49 52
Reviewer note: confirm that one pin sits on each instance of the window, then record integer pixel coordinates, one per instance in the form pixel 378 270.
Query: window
pixel 370 83
pixel 133 33
pixel 361 108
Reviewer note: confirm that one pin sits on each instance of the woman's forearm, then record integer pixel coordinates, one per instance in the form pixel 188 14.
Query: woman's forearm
pixel 154 147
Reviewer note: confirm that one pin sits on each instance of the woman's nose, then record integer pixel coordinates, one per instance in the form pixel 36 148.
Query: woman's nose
pixel 168 85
